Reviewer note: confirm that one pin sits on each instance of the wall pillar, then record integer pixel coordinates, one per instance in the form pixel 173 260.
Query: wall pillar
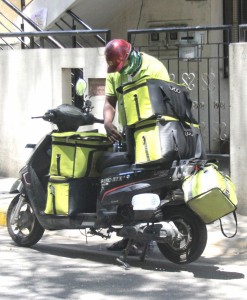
pixel 238 122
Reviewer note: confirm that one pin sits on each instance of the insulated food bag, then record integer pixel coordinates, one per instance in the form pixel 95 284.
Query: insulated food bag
pixel 147 97
pixel 69 196
pixel 74 154
pixel 210 193
pixel 165 139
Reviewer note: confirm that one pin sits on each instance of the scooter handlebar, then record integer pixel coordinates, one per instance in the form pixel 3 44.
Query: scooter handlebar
pixel 69 118
pixel 90 119
pixel 96 120
pixel 48 116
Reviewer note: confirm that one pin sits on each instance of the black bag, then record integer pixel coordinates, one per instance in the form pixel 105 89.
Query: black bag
pixel 170 99
pixel 165 139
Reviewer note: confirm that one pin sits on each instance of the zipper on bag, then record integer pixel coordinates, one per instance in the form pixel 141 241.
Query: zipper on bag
pixel 53 199
pixel 137 107
pixel 58 159
pixel 144 141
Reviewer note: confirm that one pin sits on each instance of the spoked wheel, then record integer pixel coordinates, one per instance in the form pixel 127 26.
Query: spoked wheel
pixel 193 235
pixel 25 230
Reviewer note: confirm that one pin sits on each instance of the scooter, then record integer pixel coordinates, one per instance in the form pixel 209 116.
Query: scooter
pixel 141 203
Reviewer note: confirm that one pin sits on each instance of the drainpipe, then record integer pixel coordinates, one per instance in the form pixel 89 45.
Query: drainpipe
pixel 23 4
pixel 235 21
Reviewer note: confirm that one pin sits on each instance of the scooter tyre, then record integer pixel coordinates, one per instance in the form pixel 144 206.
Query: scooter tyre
pixel 194 233
pixel 27 231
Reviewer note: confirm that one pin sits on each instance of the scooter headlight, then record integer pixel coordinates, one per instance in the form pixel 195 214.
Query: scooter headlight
pixel 147 201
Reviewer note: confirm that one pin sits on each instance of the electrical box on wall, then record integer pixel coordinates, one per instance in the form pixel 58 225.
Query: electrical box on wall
pixel 157 38
pixel 190 44
pixel 171 39
pixel 165 38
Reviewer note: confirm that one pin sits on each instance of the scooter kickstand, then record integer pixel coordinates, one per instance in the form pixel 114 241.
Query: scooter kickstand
pixel 122 259
pixel 126 265
pixel 144 252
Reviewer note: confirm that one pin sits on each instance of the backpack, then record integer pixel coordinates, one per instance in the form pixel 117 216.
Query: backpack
pixel 146 98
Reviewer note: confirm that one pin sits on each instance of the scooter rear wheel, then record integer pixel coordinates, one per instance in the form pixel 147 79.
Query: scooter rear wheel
pixel 26 231
pixel 194 235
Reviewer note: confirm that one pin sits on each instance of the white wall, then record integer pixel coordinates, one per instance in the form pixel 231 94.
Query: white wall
pixel 31 82
pixel 161 13
pixel 238 116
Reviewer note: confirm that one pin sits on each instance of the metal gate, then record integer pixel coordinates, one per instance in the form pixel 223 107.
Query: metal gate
pixel 197 57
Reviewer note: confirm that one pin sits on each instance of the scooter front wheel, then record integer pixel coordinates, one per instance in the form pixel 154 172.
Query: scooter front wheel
pixel 193 231
pixel 25 230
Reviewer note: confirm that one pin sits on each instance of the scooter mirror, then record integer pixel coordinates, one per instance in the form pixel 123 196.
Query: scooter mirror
pixel 80 87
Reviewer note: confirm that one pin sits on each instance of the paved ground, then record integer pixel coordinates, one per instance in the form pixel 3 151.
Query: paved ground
pixel 5 197
pixel 63 266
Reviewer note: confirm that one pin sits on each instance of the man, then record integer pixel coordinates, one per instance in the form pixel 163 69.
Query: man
pixel 125 64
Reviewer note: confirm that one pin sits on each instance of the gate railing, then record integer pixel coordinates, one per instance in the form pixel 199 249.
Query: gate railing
pixel 43 36
pixel 33 25
pixel 198 58
pixel 70 38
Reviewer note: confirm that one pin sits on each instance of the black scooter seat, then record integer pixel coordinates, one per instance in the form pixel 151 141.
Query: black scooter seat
pixel 111 159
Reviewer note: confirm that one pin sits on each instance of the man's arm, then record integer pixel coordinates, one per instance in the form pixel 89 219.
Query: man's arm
pixel 109 114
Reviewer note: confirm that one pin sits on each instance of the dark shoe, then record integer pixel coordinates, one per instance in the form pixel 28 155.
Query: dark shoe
pixel 151 246
pixel 138 248
pixel 118 246
pixel 134 251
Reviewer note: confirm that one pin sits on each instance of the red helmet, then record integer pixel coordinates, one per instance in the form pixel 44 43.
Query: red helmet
pixel 116 53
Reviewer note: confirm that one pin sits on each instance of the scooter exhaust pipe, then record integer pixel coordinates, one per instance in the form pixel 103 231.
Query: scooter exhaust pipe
pixel 162 232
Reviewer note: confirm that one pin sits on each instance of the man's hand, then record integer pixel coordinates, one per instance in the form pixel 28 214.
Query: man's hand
pixel 112 132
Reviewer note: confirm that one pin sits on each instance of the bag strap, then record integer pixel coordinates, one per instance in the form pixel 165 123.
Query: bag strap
pixel 198 147
pixel 199 151
pixel 187 109
pixel 236 227
pixel 132 84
